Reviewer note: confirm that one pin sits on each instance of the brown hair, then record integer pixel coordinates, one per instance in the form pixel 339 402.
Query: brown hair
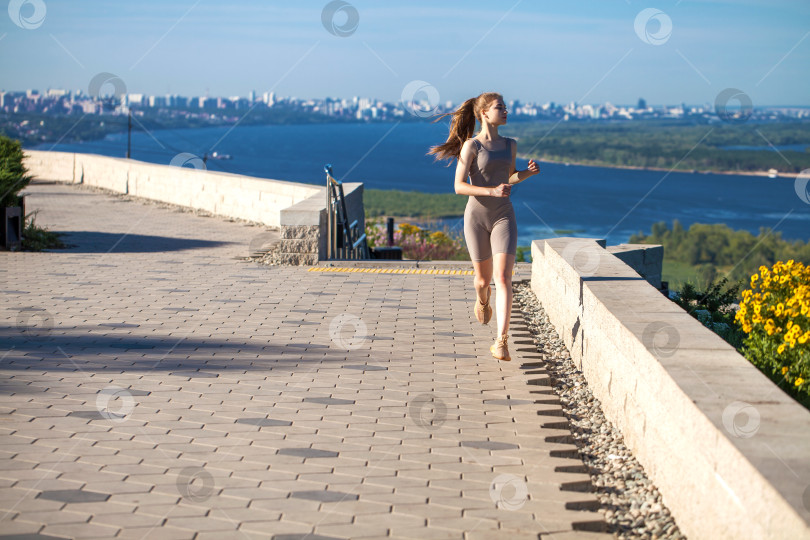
pixel 462 125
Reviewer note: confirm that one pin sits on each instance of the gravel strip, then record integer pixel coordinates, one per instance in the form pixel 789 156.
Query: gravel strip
pixel 631 504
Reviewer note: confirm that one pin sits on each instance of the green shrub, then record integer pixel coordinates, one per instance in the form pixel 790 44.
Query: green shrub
pixel 713 308
pixel 13 174
pixel 36 238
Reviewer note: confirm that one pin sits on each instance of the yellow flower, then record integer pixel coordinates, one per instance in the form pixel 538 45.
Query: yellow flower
pixel 799 382
pixel 439 236
pixel 784 370
pixel 780 349
pixel 407 228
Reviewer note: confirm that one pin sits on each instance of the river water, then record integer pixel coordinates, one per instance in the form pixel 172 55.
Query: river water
pixel 579 201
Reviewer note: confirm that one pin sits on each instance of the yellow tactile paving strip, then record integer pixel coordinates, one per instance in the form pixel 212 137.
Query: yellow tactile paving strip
pixel 392 270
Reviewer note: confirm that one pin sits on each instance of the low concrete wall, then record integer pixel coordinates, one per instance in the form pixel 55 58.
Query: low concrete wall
pixel 727 448
pixel 647 260
pixel 304 227
pixel 224 194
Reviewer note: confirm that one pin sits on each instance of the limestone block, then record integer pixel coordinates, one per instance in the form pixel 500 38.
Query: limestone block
pixel 299 246
pixel 296 258
pixel 303 232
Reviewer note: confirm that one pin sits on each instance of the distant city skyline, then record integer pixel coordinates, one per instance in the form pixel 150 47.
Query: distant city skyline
pixel 256 96
pixel 591 52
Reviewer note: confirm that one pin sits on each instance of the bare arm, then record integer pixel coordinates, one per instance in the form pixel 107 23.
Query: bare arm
pixel 463 171
pixel 516 176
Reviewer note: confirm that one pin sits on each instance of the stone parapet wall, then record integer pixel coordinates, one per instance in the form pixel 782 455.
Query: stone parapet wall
pixel 224 194
pixel 304 226
pixel 647 260
pixel 727 449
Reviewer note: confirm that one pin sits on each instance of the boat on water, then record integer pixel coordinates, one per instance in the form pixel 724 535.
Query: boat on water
pixel 773 173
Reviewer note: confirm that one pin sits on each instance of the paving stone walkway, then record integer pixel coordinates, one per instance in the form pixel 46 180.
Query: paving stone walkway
pixel 156 385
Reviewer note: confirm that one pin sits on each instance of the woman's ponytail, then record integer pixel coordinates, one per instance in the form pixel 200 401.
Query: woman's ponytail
pixel 462 126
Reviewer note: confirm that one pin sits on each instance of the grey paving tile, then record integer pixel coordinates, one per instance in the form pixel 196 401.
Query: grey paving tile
pixel 74 496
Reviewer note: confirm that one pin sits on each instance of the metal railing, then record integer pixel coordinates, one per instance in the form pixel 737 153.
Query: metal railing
pixel 344 240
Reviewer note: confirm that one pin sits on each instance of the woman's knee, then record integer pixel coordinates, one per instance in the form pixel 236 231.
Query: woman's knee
pixel 481 281
pixel 503 279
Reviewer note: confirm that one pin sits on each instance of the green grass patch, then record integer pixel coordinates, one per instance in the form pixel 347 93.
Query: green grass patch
pixel 37 238
pixel 415 204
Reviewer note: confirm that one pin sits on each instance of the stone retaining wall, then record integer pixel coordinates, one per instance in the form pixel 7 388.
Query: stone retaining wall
pixel 223 194
pixel 304 226
pixel 727 449
pixel 298 209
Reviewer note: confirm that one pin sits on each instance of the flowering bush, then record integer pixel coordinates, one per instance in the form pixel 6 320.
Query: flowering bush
pixel 775 314
pixel 418 243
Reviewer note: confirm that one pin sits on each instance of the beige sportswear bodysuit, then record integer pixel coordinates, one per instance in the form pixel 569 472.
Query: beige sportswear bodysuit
pixel 489 222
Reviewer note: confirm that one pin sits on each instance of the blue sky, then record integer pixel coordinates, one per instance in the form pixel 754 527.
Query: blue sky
pixel 584 51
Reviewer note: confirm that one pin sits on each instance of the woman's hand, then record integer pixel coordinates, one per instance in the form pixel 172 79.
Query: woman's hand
pixel 533 167
pixel 501 191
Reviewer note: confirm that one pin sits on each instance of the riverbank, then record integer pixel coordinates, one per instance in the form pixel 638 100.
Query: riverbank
pixel 662 169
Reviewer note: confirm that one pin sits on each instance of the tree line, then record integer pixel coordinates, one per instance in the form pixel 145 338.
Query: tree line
pixel 679 145
pixel 713 251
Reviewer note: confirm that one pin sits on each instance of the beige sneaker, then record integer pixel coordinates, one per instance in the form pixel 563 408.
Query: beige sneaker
pixel 499 349
pixel 483 312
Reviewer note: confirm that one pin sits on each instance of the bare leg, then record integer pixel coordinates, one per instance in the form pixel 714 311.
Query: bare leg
pixel 483 277
pixel 503 265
